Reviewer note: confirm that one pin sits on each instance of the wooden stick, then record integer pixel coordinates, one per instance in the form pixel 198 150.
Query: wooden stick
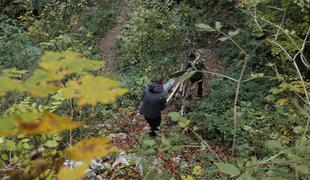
pixel 173 92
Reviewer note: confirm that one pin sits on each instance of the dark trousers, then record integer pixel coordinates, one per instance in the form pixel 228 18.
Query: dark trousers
pixel 154 123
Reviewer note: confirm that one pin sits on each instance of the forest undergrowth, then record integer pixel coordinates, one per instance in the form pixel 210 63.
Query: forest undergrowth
pixel 66 114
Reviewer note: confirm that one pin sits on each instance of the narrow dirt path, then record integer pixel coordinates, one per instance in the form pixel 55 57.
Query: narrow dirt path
pixel 128 130
pixel 108 48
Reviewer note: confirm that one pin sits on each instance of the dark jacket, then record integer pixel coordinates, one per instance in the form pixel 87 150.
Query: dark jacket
pixel 198 65
pixel 153 102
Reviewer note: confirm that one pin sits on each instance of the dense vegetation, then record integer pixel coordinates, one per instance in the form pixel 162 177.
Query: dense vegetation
pixel 55 104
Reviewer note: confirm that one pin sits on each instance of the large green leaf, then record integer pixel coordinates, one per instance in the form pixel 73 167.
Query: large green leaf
pixel 229 169
pixel 273 145
pixel 183 122
pixel 149 142
pixel 185 76
pixel 234 33
pixel 174 116
pixel 205 27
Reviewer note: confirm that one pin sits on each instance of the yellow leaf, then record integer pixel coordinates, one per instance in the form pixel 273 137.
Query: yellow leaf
pixel 7 126
pixel 38 85
pixel 89 148
pixel 91 90
pixel 282 102
pixel 54 66
pixel 7 84
pixel 66 173
pixel 59 64
pixel 35 123
pixel 49 123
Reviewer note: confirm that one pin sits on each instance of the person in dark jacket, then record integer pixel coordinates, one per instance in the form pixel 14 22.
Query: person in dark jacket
pixel 196 64
pixel 153 103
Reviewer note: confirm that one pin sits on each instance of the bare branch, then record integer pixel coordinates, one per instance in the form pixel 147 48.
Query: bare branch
pixel 221 75
pixel 255 19
pixel 302 56
pixel 278 31
pixel 235 105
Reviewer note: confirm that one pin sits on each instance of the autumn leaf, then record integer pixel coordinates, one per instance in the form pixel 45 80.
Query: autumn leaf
pixel 90 90
pixel 14 73
pixel 89 148
pixel 49 124
pixel 54 66
pixel 72 173
pixel 59 64
pixel 7 126
pixel 37 84
pixel 7 84
pixel 35 123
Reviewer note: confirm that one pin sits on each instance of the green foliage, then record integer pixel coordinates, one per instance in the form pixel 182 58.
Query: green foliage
pixel 228 169
pixel 16 48
pixel 99 19
pixel 272 130
pixel 145 44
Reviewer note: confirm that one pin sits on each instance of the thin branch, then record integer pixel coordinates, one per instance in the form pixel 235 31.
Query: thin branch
pixel 206 144
pixel 221 75
pixel 235 105
pixel 303 58
pixel 255 19
pixel 276 8
pixel 248 57
pixel 278 31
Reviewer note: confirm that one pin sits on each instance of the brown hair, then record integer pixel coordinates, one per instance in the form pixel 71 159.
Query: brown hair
pixel 157 79
pixel 191 55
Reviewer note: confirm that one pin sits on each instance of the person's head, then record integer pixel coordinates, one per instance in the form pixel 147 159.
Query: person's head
pixel 191 56
pixel 157 79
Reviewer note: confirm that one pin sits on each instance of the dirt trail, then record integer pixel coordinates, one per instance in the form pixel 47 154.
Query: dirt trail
pixel 128 129
pixel 107 47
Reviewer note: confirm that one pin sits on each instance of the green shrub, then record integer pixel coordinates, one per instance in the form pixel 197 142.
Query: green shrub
pixel 99 20
pixel 16 48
